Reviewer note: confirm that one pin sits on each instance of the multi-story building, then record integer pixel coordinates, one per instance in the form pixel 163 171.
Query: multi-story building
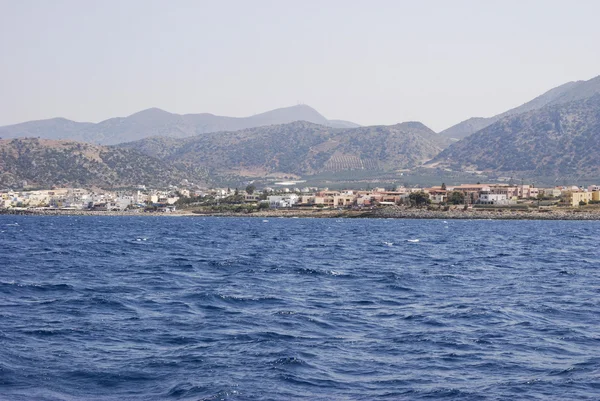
pixel 504 189
pixel 471 191
pixel 437 194
pixel 344 200
pixel 527 191
pixel 489 198
pixel 574 198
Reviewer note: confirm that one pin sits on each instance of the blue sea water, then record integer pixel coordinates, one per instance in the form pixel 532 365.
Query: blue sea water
pixel 175 308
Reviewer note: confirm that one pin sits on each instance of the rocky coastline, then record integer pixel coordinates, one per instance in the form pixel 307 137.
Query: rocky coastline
pixel 389 212
pixel 71 212
pixel 483 214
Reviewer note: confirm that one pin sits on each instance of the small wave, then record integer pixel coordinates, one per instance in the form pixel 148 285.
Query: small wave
pixel 109 378
pixel 274 336
pixel 186 390
pixel 567 272
pixel 236 299
pixel 107 304
pixel 288 361
pixel 400 288
pixel 563 372
pixel 47 332
pixel 413 317
pixel 221 395
pixel 412 240
pixel 308 270
pixel 224 262
pixel 335 273
pixel 38 286
pixel 137 240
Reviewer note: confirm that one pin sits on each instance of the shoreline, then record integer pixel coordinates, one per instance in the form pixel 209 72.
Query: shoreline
pixel 379 213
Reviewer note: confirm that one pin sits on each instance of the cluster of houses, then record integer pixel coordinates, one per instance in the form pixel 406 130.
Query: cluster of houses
pixel 80 198
pixel 482 194
pixel 164 200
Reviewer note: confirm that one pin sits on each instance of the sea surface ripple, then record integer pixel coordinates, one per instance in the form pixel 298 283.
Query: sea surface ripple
pixel 175 308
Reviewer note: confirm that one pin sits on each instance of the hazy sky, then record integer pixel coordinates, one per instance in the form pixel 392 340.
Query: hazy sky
pixel 371 62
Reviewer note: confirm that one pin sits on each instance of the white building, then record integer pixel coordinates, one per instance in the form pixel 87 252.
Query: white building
pixel 487 198
pixel 438 197
pixel 593 188
pixel 276 201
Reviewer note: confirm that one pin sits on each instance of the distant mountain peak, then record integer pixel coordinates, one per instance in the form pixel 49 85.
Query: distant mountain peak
pixel 158 122
pixel 151 115
pixel 150 111
pixel 299 106
pixel 412 125
pixel 294 113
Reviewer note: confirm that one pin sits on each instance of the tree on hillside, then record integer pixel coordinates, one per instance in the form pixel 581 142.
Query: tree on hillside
pixel 250 189
pixel 443 186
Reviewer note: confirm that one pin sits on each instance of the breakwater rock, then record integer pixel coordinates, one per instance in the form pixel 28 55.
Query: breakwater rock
pixel 482 214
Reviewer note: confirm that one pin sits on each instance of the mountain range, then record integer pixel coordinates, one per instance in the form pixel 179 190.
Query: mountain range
pixel 298 148
pixel 552 136
pixel 555 141
pixel 157 122
pixel 562 94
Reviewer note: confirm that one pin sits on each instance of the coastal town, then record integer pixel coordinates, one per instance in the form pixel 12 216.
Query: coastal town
pixel 178 200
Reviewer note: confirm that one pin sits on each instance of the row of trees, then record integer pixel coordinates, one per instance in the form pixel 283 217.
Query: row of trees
pixel 422 198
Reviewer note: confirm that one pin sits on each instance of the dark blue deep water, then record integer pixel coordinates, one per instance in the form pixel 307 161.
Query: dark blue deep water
pixel 176 308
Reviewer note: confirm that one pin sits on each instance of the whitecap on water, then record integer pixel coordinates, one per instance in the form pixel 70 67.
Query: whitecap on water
pixel 412 240
pixel 388 243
